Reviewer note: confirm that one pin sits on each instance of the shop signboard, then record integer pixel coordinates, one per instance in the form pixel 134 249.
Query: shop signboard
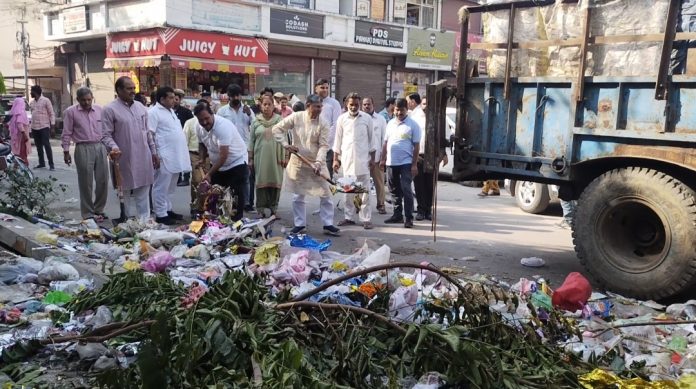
pixel 298 3
pixel 399 9
pixel 379 35
pixel 74 19
pixel 432 50
pixel 297 24
pixel 187 43
pixel 226 14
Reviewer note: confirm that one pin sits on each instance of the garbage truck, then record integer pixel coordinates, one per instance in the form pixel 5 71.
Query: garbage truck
pixel 596 97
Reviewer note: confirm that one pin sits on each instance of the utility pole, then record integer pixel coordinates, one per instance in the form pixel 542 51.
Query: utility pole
pixel 23 40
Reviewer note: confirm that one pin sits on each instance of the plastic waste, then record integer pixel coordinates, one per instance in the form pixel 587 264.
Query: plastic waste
pixel 31 306
pixel 293 269
pixel 178 251
pixel 102 317
pixel 307 242
pixel 266 254
pixel 600 308
pixel 158 262
pixel 72 287
pixel 12 269
pixel 108 251
pixel 573 294
pixel 532 262
pixel 46 237
pixel 57 271
pixel 402 303
pixel 200 252
pixel 158 238
pixel 57 297
pixel 90 350
pixel 379 257
pixel 541 300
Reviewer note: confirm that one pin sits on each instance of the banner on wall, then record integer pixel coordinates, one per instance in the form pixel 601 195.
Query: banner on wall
pixel 432 50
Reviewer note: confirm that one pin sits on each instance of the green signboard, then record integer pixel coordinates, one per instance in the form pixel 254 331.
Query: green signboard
pixel 430 49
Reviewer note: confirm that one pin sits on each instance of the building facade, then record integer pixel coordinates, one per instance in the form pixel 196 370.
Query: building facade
pixel 378 48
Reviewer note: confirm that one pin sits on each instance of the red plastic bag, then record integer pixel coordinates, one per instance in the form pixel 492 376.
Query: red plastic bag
pixel 573 294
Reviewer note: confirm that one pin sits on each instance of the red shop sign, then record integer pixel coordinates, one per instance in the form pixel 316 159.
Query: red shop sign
pixel 134 44
pixel 210 45
pixel 187 43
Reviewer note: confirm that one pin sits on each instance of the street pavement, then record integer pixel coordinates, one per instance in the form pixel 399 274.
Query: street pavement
pixel 488 235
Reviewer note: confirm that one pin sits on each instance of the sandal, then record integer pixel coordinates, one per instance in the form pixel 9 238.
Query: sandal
pixel 345 222
pixel 368 225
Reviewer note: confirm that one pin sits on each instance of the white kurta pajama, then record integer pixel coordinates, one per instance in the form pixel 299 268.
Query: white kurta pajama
pixel 311 138
pixel 354 142
pixel 173 152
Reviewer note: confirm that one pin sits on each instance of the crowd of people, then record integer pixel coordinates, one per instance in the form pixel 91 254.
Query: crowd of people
pixel 256 151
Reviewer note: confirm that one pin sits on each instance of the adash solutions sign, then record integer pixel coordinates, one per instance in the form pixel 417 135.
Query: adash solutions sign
pixel 430 49
pixel 297 24
pixel 379 35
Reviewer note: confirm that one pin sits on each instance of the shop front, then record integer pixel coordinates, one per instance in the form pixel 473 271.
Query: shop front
pixel 192 60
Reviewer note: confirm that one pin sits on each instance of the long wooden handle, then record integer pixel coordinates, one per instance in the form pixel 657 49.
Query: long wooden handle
pixel 119 179
pixel 311 164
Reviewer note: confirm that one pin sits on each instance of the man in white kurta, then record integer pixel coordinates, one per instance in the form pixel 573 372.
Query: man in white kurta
pixel 173 152
pixel 354 152
pixel 379 131
pixel 309 136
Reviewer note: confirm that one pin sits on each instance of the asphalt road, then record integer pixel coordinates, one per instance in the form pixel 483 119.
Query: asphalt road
pixel 488 235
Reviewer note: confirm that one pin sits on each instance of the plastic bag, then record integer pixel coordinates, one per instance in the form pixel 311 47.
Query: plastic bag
pixel 402 303
pixel 158 262
pixel 57 297
pixel 159 238
pixel 307 242
pixel 266 254
pixel 14 268
pixel 379 257
pixel 57 271
pixel 532 262
pixel 293 269
pixel 72 287
pixel 109 251
pixel 200 252
pixel 573 294
pixel 179 251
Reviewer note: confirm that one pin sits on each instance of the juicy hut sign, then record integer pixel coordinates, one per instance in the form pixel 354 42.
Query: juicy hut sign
pixel 430 49
pixel 379 35
pixel 187 44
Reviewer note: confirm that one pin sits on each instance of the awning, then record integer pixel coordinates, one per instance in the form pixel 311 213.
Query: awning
pixel 132 62
pixel 218 65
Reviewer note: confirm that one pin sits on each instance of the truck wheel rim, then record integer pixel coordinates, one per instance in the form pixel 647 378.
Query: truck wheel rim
pixel 633 233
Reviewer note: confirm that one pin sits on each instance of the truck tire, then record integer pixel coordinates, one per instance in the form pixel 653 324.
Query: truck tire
pixel 635 232
pixel 532 197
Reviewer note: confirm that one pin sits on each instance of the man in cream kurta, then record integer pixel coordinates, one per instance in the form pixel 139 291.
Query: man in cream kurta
pixel 309 137
pixel 354 152
pixel 173 153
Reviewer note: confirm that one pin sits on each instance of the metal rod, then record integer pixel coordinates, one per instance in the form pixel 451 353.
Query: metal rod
pixel 662 84
pixel 508 60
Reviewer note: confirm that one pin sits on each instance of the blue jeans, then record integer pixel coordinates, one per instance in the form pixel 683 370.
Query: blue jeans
pixel 568 210
pixel 400 179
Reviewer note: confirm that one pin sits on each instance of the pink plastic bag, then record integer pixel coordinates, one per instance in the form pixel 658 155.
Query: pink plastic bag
pixel 573 294
pixel 158 262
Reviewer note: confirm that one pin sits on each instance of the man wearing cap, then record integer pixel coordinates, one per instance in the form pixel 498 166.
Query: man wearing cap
pixel 183 114
pixel 240 115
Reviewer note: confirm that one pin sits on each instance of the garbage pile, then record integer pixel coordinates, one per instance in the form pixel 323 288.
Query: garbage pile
pixel 217 303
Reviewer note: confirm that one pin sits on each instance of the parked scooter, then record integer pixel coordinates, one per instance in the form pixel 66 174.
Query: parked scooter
pixel 11 161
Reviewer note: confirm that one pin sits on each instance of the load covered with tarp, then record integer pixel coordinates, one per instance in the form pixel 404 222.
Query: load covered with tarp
pixel 565 21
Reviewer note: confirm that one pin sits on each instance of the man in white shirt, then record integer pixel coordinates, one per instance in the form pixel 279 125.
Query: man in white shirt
pixel 240 115
pixel 379 125
pixel 219 139
pixel 173 152
pixel 354 152
pixel 331 110
pixel 423 182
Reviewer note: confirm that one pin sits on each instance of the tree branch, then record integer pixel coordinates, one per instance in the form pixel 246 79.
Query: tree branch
pixel 357 310
pixel 91 338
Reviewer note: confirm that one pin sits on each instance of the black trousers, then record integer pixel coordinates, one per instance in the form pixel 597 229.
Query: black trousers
pixel 423 184
pixel 235 179
pixel 42 140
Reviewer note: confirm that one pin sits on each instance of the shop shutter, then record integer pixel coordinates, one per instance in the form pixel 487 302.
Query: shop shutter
pixel 365 79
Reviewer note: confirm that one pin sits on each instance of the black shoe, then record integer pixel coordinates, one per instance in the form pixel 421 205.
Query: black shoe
pixel 297 229
pixel 52 168
pixel 248 208
pixel 167 220
pixel 331 230
pixel 408 223
pixel 183 183
pixel 39 166
pixel 394 220
pixel 175 215
pixel 420 216
pixel 429 217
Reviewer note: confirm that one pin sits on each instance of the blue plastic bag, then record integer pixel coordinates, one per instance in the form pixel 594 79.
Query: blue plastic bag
pixel 307 242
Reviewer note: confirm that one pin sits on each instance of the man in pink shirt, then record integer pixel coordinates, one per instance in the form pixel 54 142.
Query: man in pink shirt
pixel 43 125
pixel 82 125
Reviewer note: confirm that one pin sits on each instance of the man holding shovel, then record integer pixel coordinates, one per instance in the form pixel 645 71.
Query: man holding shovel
pixel 125 133
pixel 307 171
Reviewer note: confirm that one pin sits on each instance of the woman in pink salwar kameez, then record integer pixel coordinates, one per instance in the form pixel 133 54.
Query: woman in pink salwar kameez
pixel 19 130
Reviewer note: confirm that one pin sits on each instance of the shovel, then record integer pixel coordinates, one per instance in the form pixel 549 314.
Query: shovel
pixel 310 164
pixel 119 188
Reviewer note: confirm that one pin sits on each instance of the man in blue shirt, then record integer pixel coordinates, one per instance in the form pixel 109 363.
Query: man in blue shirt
pixel 400 156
